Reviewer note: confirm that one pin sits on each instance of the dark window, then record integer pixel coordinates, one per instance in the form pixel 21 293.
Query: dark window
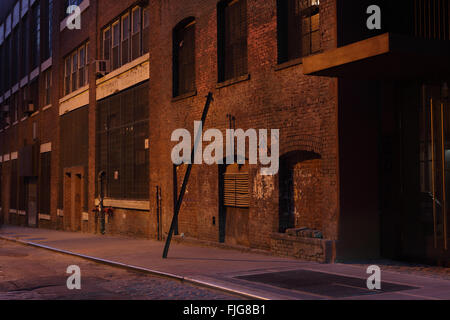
pixel 25 54
pixel 7 64
pixel 47 9
pixel 35 35
pixel 146 30
pixel 122 143
pixel 2 89
pixel 13 185
pixel 25 100
pixel 136 33
pixel 298 29
pixel 15 56
pixel 184 58
pixel 232 37
pixel 13 108
pixel 34 93
pixel 67 74
pixel 48 87
pixel 44 183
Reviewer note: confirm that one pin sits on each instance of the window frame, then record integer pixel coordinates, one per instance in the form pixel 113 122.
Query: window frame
pixel 228 62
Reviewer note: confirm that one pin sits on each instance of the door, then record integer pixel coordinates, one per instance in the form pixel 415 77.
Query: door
pixel 74 188
pixel 32 203
pixel 234 211
pixel 435 170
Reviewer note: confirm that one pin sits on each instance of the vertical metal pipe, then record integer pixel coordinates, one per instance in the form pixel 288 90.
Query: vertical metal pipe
pixel 432 174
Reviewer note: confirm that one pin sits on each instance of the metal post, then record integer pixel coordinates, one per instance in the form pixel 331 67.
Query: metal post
pixel 185 181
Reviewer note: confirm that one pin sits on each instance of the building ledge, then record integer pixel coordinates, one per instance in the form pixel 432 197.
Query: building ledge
pixel 124 77
pixel 386 55
pixel 44 217
pixel 125 204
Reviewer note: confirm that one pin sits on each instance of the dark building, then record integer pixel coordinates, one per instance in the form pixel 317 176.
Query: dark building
pixel 362 115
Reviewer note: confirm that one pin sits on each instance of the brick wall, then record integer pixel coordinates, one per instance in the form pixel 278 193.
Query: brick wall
pixel 303 108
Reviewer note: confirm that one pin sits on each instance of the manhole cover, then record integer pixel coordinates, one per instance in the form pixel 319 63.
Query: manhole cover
pixel 321 283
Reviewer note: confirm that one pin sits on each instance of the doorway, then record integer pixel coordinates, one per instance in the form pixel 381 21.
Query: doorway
pixel 31 192
pixel 234 208
pixel 74 194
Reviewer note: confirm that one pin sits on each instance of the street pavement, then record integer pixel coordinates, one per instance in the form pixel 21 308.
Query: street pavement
pixel 35 274
pixel 247 274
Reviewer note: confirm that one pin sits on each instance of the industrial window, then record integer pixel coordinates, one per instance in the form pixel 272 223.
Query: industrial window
pixel 13 185
pixel 47 8
pixel 76 69
pixel 298 29
pixel 25 54
pixel 235 187
pixel 125 39
pixel 106 43
pixel 115 45
pixel 67 73
pixel 25 100
pixel 48 87
pixel 1 75
pixel 122 143
pixel 44 183
pixel 184 58
pixel 232 39
pixel 15 56
pixel 146 30
pixel 82 67
pixel 14 111
pixel 33 94
pixel 136 33
pixel 7 64
pixel 35 35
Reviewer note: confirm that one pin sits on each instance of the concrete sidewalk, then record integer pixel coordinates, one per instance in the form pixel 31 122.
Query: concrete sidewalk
pixel 252 275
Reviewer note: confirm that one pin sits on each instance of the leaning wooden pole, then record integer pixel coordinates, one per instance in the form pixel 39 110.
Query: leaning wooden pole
pixel 176 210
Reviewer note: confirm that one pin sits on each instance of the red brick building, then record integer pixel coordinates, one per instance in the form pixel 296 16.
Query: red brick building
pixel 362 173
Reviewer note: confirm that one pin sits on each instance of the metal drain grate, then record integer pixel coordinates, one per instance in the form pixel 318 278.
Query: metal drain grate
pixel 321 283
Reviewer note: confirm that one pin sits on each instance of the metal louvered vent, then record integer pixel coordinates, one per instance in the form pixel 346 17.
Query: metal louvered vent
pixel 236 190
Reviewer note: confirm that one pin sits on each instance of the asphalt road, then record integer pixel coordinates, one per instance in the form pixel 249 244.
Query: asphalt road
pixel 32 273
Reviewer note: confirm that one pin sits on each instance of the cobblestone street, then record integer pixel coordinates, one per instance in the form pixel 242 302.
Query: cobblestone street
pixel 31 273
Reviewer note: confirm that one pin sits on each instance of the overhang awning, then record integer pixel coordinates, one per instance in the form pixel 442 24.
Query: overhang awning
pixel 384 56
